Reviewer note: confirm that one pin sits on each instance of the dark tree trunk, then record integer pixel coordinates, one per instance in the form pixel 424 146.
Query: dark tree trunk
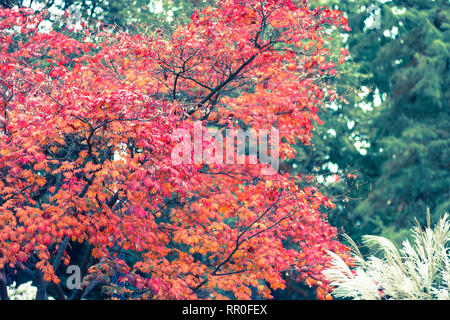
pixel 3 284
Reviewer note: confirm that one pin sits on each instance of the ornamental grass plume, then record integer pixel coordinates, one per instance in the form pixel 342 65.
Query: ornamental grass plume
pixel 417 271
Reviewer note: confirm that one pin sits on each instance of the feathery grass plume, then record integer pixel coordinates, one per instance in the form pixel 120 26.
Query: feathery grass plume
pixel 417 271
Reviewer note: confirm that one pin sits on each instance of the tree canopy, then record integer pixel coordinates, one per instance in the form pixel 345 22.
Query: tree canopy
pixel 87 170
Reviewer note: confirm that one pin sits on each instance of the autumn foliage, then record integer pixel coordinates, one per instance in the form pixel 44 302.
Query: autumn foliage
pixel 86 124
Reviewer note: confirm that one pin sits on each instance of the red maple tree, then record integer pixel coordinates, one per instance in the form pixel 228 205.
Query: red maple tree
pixel 86 140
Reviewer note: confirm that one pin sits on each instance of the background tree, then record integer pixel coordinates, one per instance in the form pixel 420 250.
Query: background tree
pixel 404 65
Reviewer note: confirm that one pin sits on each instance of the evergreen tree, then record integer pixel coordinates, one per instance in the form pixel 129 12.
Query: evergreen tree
pixel 118 12
pixel 405 64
